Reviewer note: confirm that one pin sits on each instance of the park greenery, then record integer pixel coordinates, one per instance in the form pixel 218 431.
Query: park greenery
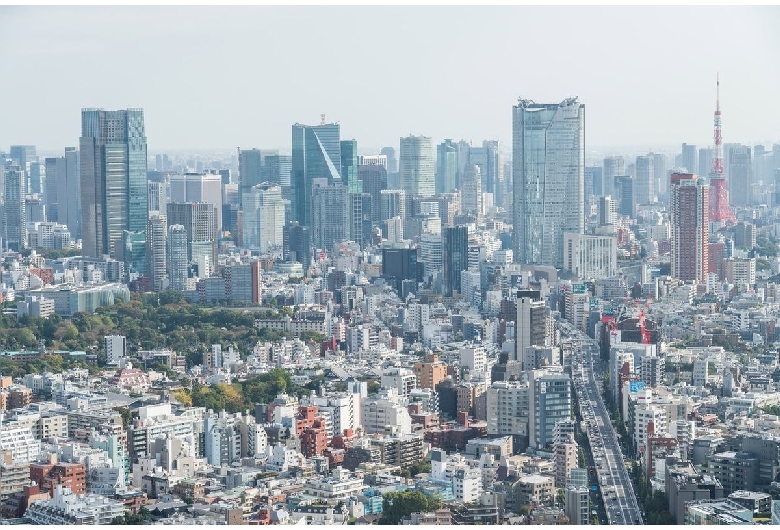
pixel 164 320
pixel 243 395
pixel 399 504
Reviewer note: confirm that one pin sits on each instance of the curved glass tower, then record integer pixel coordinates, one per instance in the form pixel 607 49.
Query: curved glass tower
pixel 548 169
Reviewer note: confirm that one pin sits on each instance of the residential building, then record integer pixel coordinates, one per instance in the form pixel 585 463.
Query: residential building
pixel 689 219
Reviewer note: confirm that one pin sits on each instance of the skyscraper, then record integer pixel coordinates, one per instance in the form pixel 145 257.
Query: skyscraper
pixel 156 232
pixel 113 178
pixel 455 256
pixel 316 154
pixel 446 166
pixel 613 166
pixel 689 158
pixel 296 244
pixel 689 220
pixel 706 154
pixel 263 217
pixel 471 192
pixel 23 156
pixel 374 179
pixel 349 166
pixel 392 204
pixel 199 187
pixel 645 180
pixel 548 158
pixel 486 157
pixel 199 220
pixel 659 174
pixel 740 175
pixel 624 190
pixel 392 163
pixel 15 212
pixel 36 178
pixel 416 166
pixel 178 261
pixel 329 214
pixel 550 400
pixel 62 191
pixel 593 185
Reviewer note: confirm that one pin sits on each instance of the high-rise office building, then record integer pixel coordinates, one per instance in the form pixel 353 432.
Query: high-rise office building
pixel 113 178
pixel 263 218
pixel 624 190
pixel 200 222
pixel 645 180
pixel 374 179
pixel 455 256
pixel 255 166
pixel 446 166
pixel 689 220
pixel 278 168
pixel 23 156
pixel 471 190
pixel 15 210
pixel 36 178
pixel 158 198
pixel 178 262
pixel 487 158
pixel 316 154
pixel 62 191
pixel 659 174
pixel 613 166
pixel 740 175
pixel 607 211
pixel 548 158
pixel 531 328
pixel 296 244
pixel 349 166
pixel 156 235
pixel 416 169
pixel 199 187
pixel 392 204
pixel 690 158
pixel 706 154
pixel 550 400
pixel 392 163
pixel 593 185
pixel 329 214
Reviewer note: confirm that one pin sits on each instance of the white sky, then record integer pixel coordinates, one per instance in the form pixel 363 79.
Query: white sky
pixel 220 77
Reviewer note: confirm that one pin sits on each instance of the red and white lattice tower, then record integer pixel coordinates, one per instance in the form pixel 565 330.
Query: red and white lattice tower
pixel 720 210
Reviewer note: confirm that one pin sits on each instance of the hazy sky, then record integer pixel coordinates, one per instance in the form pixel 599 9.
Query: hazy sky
pixel 221 77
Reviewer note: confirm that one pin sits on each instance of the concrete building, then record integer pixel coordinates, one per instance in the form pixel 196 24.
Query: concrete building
pixel 577 505
pixel 590 257
pixel 689 218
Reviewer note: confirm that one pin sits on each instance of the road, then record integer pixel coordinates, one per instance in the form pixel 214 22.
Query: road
pixel 617 490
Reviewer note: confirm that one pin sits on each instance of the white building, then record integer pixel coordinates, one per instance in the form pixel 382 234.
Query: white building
pixel 507 409
pixel 474 358
pixel 116 349
pixel 416 166
pixel 590 257
pixel 67 508
pixel 384 411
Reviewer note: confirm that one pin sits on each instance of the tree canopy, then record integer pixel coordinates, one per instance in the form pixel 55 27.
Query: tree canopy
pixel 399 504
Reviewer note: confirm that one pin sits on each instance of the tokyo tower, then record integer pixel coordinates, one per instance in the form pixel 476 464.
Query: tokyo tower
pixel 720 211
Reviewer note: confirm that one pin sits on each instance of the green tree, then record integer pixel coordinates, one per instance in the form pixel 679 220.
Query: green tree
pixel 399 504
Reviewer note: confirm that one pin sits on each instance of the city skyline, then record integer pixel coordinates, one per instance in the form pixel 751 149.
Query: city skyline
pixel 641 95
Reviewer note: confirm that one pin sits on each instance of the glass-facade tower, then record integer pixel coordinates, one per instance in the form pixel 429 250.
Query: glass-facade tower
pixel 316 154
pixel 113 178
pixel 548 170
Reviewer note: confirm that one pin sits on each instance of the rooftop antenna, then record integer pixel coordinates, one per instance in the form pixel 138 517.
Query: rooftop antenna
pixel 322 119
